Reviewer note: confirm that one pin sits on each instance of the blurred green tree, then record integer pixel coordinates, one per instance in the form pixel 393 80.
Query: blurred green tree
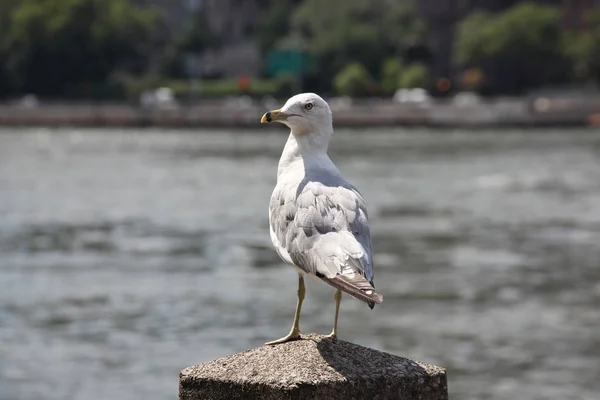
pixel 6 78
pixel 391 71
pixel 63 47
pixel 395 75
pixel 518 49
pixel 583 49
pixel 341 32
pixel 414 76
pixel 353 80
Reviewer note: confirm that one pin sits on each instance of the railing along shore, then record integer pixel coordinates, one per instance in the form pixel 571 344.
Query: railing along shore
pixel 524 112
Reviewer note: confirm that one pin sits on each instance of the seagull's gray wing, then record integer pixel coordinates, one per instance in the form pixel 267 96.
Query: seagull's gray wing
pixel 322 228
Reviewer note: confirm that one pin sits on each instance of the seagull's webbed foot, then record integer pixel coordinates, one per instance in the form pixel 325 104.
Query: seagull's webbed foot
pixel 293 335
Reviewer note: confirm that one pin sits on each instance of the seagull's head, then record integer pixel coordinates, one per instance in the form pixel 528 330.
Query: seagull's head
pixel 305 113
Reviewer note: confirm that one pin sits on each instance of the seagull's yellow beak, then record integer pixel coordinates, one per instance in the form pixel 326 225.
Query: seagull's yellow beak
pixel 273 116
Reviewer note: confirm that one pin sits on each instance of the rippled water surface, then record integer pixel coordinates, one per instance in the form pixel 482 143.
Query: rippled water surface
pixel 127 255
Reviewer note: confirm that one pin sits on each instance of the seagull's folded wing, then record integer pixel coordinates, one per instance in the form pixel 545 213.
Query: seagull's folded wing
pixel 324 231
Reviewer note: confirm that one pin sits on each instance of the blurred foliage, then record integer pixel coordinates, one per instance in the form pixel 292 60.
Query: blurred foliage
pixel 414 76
pixel 341 32
pixel 391 71
pixel 207 88
pixel 353 80
pixel 518 48
pixel 583 49
pixel 395 75
pixel 281 86
pixel 117 48
pixel 61 47
pixel 6 73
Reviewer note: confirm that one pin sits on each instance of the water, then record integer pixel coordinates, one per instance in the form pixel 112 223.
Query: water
pixel 128 255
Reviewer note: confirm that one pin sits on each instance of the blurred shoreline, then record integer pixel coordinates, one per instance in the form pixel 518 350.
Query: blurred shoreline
pixel 244 112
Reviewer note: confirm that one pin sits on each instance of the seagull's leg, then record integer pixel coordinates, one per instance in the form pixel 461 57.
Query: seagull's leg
pixel 338 300
pixel 295 332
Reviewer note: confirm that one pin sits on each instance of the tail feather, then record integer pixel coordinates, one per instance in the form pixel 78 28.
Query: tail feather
pixel 356 286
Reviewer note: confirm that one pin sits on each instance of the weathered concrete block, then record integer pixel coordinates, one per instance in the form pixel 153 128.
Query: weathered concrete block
pixel 315 367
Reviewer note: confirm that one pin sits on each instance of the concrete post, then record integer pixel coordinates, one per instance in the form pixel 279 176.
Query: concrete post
pixel 315 367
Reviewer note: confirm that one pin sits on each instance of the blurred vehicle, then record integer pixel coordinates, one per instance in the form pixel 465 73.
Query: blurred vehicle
pixel 29 101
pixel 412 96
pixel 466 99
pixel 162 98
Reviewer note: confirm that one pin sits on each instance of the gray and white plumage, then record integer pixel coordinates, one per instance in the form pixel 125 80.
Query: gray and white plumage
pixel 318 220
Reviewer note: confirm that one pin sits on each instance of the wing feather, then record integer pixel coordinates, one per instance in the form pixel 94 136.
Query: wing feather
pixel 322 228
pixel 357 287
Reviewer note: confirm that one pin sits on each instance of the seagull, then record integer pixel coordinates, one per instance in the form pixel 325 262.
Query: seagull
pixel 318 220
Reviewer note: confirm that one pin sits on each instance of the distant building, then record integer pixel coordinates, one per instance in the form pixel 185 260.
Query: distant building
pixel 232 21
pixel 174 13
pixel 574 11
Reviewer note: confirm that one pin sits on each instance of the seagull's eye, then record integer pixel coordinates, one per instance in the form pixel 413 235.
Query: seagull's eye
pixel 308 106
